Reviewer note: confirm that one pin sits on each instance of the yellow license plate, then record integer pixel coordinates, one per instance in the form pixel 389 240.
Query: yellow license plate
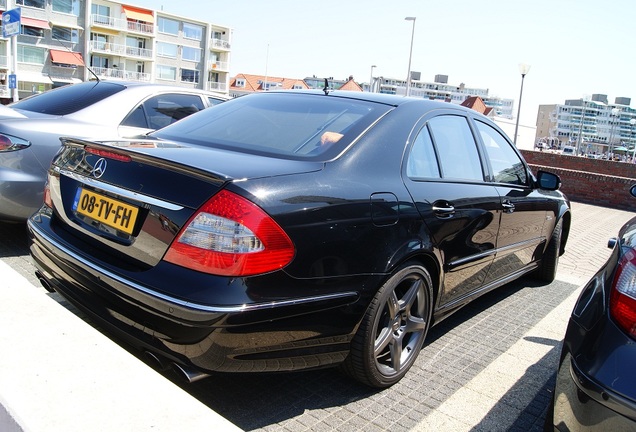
pixel 114 213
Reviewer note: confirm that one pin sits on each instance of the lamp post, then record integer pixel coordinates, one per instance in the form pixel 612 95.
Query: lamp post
pixel 371 79
pixel 408 77
pixel 523 69
pixel 579 138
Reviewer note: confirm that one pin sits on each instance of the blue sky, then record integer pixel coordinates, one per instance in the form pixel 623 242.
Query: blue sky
pixel 575 47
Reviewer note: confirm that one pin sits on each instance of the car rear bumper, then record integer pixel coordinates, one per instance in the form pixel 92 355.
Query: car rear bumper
pixel 289 334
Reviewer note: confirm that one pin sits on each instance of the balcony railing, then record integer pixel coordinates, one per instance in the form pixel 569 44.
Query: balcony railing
pixel 121 74
pixel 118 49
pixel 219 65
pixel 121 24
pixel 220 43
pixel 216 86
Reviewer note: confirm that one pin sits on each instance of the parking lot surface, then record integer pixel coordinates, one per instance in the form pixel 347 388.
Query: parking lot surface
pixel 489 367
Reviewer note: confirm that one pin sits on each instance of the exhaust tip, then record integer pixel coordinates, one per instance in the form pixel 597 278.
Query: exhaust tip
pixel 45 283
pixel 189 374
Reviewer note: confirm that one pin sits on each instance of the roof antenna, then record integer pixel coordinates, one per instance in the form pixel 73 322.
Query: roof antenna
pixel 326 88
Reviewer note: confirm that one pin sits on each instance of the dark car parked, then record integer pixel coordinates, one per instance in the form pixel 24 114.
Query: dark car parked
pixel 596 381
pixel 293 230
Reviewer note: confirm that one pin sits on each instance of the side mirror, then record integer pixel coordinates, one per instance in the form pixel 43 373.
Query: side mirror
pixel 632 191
pixel 549 181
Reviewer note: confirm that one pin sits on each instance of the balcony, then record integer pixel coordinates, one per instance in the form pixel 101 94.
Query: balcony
pixel 121 74
pixel 216 86
pixel 121 24
pixel 118 49
pixel 220 44
pixel 219 66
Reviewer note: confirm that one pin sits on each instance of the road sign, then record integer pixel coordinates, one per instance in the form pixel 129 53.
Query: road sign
pixel 11 22
pixel 13 81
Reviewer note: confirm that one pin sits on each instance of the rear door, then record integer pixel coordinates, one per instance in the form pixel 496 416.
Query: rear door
pixel 445 178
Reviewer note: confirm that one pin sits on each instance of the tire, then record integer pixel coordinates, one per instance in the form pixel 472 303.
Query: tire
pixel 550 261
pixel 393 329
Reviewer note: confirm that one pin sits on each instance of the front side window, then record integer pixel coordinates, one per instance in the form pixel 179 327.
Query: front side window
pixel 192 31
pixel 192 54
pixel 31 3
pixel 505 162
pixel 168 26
pixel 66 6
pixel 456 148
pixel 167 50
pixel 189 75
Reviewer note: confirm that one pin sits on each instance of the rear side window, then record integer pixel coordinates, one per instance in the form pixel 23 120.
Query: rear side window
pixel 422 162
pixel 69 99
pixel 283 124
pixel 161 110
pixel 456 148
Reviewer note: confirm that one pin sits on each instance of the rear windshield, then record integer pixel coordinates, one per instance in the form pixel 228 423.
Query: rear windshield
pixel 68 99
pixel 290 125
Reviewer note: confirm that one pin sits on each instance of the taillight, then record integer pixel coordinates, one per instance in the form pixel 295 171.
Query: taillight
pixel 10 143
pixel 623 296
pixel 231 236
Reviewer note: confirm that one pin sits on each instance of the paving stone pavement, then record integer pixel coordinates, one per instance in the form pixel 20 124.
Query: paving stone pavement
pixel 489 367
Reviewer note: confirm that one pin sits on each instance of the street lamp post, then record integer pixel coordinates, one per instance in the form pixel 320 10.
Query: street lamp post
pixel 371 79
pixel 523 69
pixel 408 76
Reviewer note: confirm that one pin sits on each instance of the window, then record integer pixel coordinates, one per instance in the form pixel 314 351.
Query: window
pixel 456 148
pixel 99 62
pixel 191 54
pixel 101 13
pixel 100 41
pixel 240 82
pixel 65 34
pixel 422 162
pixel 31 3
pixel 506 164
pixel 166 50
pixel 163 110
pixel 67 6
pixel 168 73
pixel 190 75
pixel 31 54
pixel 192 31
pixel 168 26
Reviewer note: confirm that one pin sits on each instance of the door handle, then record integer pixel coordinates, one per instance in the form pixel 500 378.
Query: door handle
pixel 444 212
pixel 508 207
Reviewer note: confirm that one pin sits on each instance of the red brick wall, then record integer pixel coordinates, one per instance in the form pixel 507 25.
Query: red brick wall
pixel 592 181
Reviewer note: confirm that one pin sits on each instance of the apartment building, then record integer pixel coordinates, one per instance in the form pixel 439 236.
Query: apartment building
pixel 440 89
pixel 68 41
pixel 592 125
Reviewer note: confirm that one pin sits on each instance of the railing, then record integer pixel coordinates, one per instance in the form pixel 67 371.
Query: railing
pixel 121 24
pixel 216 86
pixel 121 74
pixel 220 43
pixel 219 65
pixel 118 49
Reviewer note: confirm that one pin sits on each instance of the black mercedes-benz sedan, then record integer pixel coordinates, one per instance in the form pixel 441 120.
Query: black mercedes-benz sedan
pixel 291 230
pixel 596 381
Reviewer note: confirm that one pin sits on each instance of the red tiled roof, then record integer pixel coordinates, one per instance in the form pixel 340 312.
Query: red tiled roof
pixel 254 83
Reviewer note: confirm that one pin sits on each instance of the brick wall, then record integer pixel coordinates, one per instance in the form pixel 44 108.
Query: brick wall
pixel 591 181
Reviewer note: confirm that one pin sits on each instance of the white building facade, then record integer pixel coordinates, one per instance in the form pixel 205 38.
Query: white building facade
pixel 68 41
pixel 439 89
pixel 593 126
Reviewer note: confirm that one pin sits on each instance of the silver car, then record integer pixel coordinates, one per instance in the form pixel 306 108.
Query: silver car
pixel 30 129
